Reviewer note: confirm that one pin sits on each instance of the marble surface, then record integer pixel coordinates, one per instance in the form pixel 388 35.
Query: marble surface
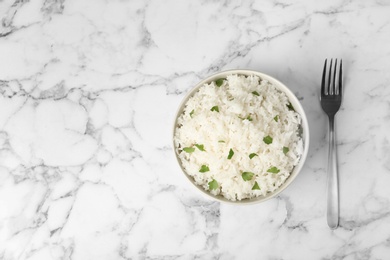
pixel 88 94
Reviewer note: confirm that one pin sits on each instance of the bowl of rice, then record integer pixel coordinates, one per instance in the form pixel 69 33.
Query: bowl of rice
pixel 241 136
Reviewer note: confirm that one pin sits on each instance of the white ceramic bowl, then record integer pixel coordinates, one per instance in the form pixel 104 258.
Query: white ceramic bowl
pixel 298 108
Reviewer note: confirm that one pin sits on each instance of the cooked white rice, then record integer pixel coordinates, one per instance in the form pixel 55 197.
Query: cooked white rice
pixel 237 118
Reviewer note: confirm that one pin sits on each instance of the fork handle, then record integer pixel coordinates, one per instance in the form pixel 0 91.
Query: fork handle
pixel 333 190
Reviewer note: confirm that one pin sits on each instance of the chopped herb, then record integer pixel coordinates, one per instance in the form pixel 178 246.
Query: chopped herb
pixel 255 93
pixel 247 176
pixel 273 170
pixel 192 113
pixel 231 153
pixel 285 150
pixel 215 108
pixel 213 185
pixel 221 141
pixel 252 155
pixel 249 118
pixel 204 168
pixel 200 147
pixel 268 139
pixel 276 118
pixel 290 106
pixel 256 186
pixel 189 149
pixel 219 82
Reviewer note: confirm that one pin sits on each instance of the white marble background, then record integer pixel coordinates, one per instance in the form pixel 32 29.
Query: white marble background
pixel 88 93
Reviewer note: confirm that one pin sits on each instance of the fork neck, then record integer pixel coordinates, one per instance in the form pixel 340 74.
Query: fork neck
pixel 331 121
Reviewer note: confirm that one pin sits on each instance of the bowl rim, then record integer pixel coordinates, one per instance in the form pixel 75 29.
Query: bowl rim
pixel 298 108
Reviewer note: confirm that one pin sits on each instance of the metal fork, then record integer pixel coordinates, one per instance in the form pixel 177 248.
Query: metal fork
pixel 331 95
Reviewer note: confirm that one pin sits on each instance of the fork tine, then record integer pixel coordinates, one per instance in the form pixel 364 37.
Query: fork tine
pixel 330 78
pixel 323 80
pixel 341 78
pixel 334 78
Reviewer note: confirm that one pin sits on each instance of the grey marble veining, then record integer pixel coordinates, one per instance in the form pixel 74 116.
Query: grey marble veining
pixel 88 94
